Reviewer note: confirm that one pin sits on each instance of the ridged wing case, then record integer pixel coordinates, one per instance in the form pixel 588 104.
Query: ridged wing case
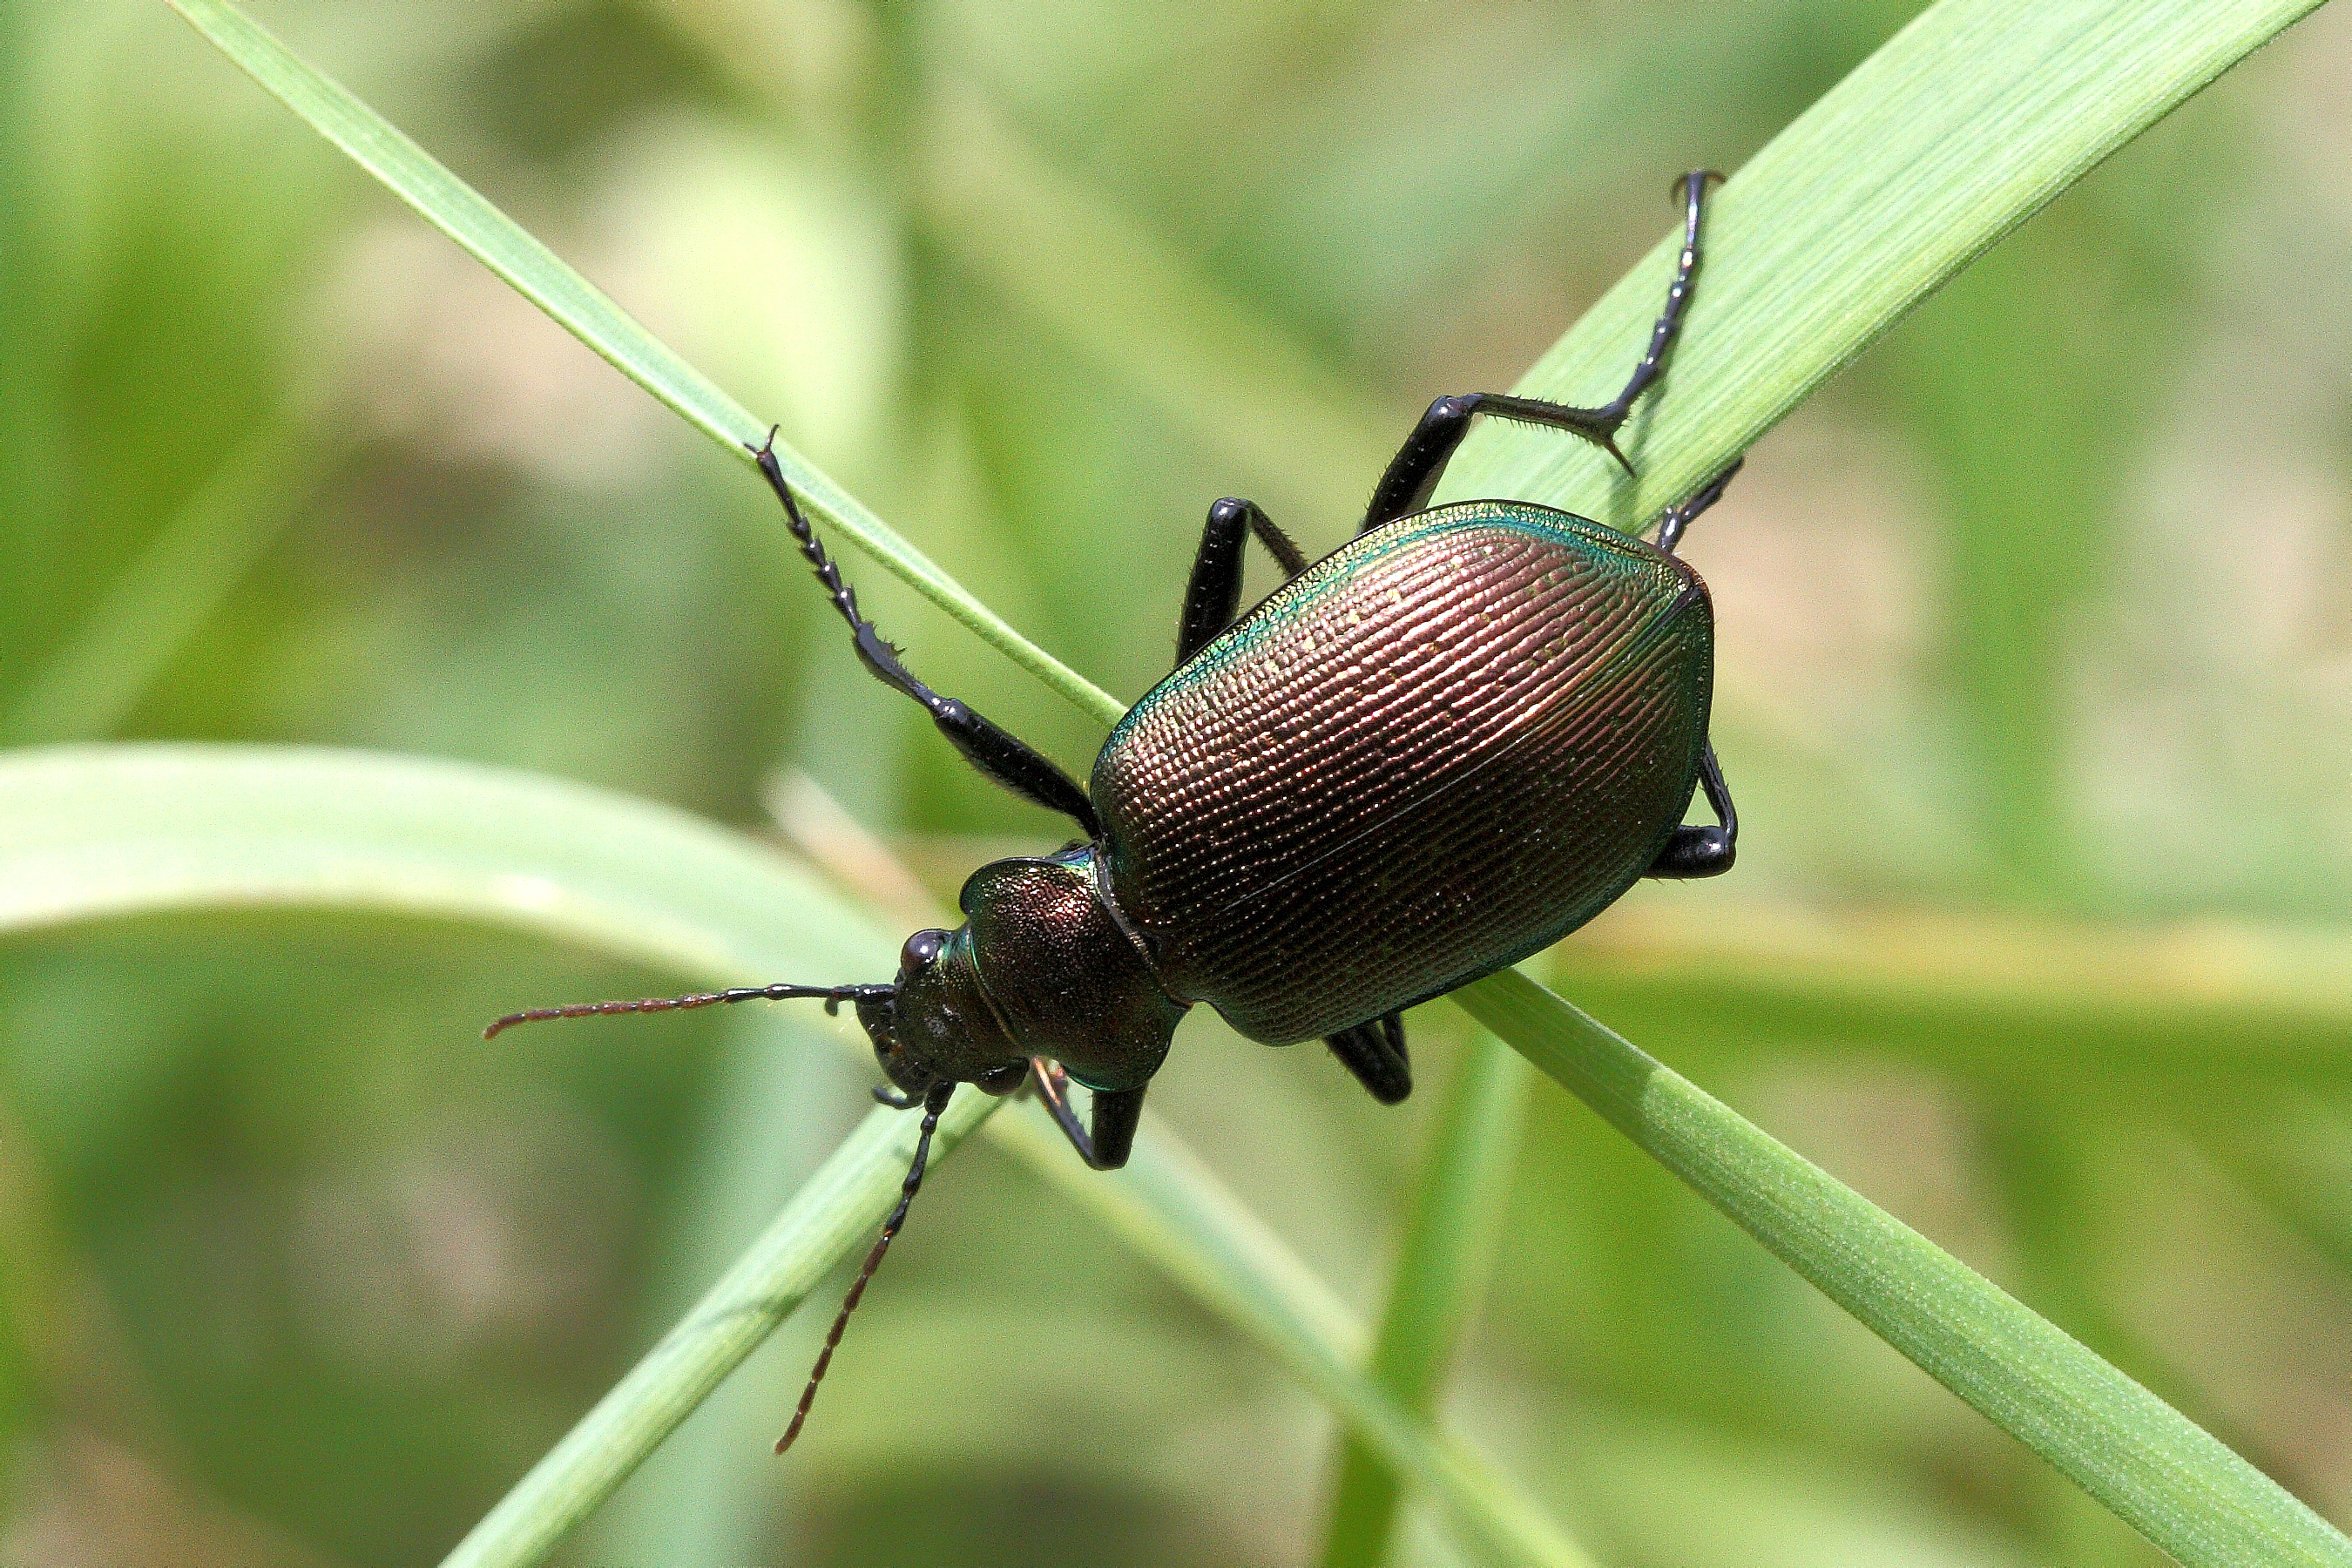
pixel 1438 750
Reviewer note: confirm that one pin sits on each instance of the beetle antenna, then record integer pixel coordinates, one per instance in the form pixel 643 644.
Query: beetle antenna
pixel 934 1104
pixel 834 996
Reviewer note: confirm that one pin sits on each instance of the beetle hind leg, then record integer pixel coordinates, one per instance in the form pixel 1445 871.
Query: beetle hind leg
pixel 1413 474
pixel 1696 852
pixel 1213 595
pixel 1375 1053
pixel 1699 851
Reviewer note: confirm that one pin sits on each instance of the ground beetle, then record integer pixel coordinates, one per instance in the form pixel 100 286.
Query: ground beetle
pixel 1436 751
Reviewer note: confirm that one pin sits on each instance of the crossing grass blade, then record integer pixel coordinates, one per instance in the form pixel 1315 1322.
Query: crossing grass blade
pixel 91 832
pixel 1964 125
pixel 504 246
pixel 1959 129
pixel 1441 1272
pixel 2150 1465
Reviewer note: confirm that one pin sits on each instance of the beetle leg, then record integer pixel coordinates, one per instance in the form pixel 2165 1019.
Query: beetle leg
pixel 1703 851
pixel 1116 1113
pixel 997 753
pixel 1700 852
pixel 1375 1053
pixel 1215 595
pixel 1413 474
pixel 1679 516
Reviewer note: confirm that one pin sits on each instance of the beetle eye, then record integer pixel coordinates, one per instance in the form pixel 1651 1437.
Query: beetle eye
pixel 920 949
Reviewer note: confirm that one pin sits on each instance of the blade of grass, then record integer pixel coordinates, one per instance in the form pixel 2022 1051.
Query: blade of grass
pixel 1959 129
pixel 782 1097
pixel 539 276
pixel 2001 998
pixel 837 1212
pixel 1963 125
pixel 2146 1462
pixel 2039 1161
pixel 1171 1208
pixel 96 831
pixel 1440 1275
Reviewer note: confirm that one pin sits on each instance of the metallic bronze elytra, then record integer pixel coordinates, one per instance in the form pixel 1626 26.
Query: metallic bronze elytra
pixel 1441 748
pixel 1506 737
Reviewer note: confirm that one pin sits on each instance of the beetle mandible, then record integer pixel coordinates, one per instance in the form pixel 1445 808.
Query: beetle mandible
pixel 1429 754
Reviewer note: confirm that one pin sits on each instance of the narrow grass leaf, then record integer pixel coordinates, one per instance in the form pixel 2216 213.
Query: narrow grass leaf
pixel 834 1215
pixel 1175 1211
pixel 1441 1277
pixel 2004 998
pixel 1955 131
pixel 581 309
pixel 89 831
pixel 2153 1468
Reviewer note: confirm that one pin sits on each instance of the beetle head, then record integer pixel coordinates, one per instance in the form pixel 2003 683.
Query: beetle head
pixel 935 1024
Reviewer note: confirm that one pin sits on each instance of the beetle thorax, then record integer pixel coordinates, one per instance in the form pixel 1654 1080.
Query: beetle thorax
pixel 1061 978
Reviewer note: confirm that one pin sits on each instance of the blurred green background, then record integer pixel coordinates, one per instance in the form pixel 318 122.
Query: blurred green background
pixel 2036 692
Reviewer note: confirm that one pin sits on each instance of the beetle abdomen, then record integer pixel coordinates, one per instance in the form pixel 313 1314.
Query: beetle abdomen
pixel 1438 750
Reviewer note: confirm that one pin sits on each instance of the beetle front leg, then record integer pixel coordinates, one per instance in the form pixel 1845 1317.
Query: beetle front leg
pixel 1116 1114
pixel 1413 474
pixel 1213 595
pixel 997 753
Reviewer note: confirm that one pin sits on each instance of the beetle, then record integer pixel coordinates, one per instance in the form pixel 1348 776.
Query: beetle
pixel 1435 752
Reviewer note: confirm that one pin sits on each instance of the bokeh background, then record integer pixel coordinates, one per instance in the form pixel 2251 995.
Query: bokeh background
pixel 2036 692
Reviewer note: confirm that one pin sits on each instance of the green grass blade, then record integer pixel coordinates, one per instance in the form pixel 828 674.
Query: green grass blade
pixel 2153 1468
pixel 541 276
pixel 89 831
pixel 1440 1275
pixel 1174 1210
pixel 834 1215
pixel 1957 130
pixel 2003 999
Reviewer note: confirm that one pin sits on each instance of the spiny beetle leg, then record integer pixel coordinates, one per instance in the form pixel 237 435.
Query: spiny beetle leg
pixel 1116 1114
pixel 1375 1053
pixel 1413 474
pixel 997 753
pixel 1215 595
